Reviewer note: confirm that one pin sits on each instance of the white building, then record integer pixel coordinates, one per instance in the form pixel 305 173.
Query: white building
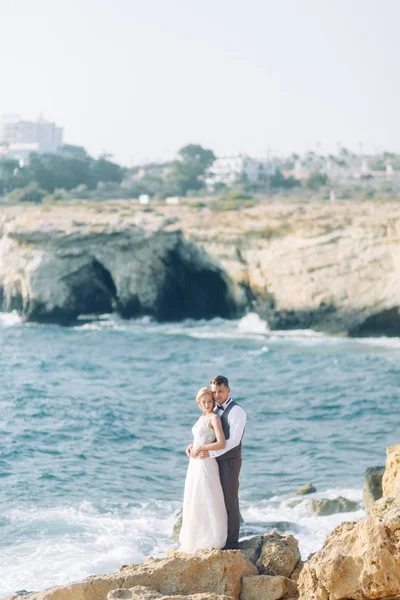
pixel 23 137
pixel 229 169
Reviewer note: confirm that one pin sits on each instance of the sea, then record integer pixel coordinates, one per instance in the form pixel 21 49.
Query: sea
pixel 95 419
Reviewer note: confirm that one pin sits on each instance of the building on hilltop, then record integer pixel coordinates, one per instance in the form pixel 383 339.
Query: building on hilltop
pixel 229 169
pixel 19 138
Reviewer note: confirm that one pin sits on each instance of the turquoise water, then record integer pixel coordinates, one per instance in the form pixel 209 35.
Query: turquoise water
pixel 95 420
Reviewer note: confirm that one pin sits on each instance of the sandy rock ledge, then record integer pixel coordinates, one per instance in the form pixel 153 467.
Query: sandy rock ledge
pixel 209 572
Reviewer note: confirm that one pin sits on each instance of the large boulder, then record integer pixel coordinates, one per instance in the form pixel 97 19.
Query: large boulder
pixel 391 476
pixel 358 561
pixel 372 486
pixel 323 507
pixel 307 488
pixel 210 571
pixel 252 547
pixel 279 554
pixel 268 587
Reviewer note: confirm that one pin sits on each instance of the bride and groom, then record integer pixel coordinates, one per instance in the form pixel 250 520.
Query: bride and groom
pixel 211 517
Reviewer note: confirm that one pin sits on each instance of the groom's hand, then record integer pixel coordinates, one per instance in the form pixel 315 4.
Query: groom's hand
pixel 203 454
pixel 189 450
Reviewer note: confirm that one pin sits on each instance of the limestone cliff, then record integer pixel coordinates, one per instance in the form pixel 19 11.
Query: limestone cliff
pixel 334 267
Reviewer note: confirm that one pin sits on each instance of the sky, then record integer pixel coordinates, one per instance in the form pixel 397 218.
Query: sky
pixel 139 79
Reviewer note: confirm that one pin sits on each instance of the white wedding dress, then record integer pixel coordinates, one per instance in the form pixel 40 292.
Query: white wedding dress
pixel 204 517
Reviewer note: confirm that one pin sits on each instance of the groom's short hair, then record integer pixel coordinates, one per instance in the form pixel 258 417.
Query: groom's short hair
pixel 220 380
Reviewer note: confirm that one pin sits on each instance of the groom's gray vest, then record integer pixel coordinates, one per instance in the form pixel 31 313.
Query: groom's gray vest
pixel 236 452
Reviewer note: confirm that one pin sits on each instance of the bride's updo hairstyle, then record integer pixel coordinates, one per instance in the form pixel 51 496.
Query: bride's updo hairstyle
pixel 205 391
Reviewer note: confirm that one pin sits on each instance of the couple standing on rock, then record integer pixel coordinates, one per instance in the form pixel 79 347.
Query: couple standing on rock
pixel 211 517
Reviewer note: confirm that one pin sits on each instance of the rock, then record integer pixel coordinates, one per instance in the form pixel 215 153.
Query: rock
pixel 383 505
pixel 57 276
pixel 252 547
pixel 144 593
pixel 307 488
pixel 324 507
pixel 296 573
pixel 279 555
pixel 358 560
pixel 210 571
pixel 177 526
pixel 267 587
pixel 294 503
pixel 372 486
pixel 391 476
pixel 295 268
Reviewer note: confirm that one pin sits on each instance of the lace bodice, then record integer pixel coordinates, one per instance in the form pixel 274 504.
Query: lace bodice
pixel 202 433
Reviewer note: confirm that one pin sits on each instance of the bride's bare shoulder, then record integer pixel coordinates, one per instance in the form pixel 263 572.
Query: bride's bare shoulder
pixel 214 419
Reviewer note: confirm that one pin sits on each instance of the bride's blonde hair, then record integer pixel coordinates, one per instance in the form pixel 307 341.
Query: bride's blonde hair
pixel 204 391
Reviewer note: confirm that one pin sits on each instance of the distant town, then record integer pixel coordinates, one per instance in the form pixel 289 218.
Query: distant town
pixel 36 164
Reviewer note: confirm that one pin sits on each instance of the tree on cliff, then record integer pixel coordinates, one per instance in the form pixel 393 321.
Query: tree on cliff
pixel 189 170
pixel 69 170
pixel 8 171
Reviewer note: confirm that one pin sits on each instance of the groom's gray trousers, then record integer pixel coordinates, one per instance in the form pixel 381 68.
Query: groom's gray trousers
pixel 229 469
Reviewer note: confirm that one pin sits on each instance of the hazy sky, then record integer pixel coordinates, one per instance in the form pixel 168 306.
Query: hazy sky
pixel 140 79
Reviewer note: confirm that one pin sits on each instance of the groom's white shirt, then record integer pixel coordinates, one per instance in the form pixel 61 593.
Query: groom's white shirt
pixel 237 422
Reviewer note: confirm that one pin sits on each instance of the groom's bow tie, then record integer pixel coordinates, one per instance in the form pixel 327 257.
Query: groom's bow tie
pixel 220 407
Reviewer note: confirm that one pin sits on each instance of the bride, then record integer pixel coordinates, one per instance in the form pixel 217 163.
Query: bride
pixel 204 517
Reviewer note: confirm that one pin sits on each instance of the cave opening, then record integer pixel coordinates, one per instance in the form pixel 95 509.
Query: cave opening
pixel 92 289
pixel 385 323
pixel 189 292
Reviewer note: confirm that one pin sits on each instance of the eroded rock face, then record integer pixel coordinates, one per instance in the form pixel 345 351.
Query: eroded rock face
pixel 391 476
pixel 359 561
pixel 55 278
pixel 268 587
pixel 332 267
pixel 279 554
pixel 322 507
pixel 209 572
pixel 372 486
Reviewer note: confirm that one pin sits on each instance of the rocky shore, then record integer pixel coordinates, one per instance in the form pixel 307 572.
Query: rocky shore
pixel 333 267
pixel 358 561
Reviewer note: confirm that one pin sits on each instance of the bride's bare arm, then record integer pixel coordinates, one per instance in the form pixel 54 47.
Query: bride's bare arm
pixel 219 434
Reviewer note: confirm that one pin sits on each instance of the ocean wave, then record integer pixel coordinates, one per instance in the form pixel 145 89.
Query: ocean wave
pixel 250 327
pixel 70 543
pixel 10 319
pixel 310 531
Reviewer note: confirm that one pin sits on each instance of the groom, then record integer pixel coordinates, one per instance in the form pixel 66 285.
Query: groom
pixel 233 419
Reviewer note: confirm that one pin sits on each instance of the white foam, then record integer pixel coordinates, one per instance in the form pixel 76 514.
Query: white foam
pixel 310 531
pixel 252 323
pixel 384 342
pixel 10 319
pixel 58 545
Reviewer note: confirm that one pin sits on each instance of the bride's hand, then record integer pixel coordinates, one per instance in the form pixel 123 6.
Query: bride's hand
pixel 203 454
pixel 189 450
pixel 195 452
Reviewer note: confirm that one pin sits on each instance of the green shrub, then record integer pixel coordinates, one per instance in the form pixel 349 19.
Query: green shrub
pixel 197 204
pixel 235 195
pixel 316 181
pixel 30 193
pixel 233 204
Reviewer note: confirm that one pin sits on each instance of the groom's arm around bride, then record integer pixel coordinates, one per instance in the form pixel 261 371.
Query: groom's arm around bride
pixel 229 459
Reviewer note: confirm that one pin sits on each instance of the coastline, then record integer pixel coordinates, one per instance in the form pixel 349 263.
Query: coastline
pixel 332 267
pixel 268 566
